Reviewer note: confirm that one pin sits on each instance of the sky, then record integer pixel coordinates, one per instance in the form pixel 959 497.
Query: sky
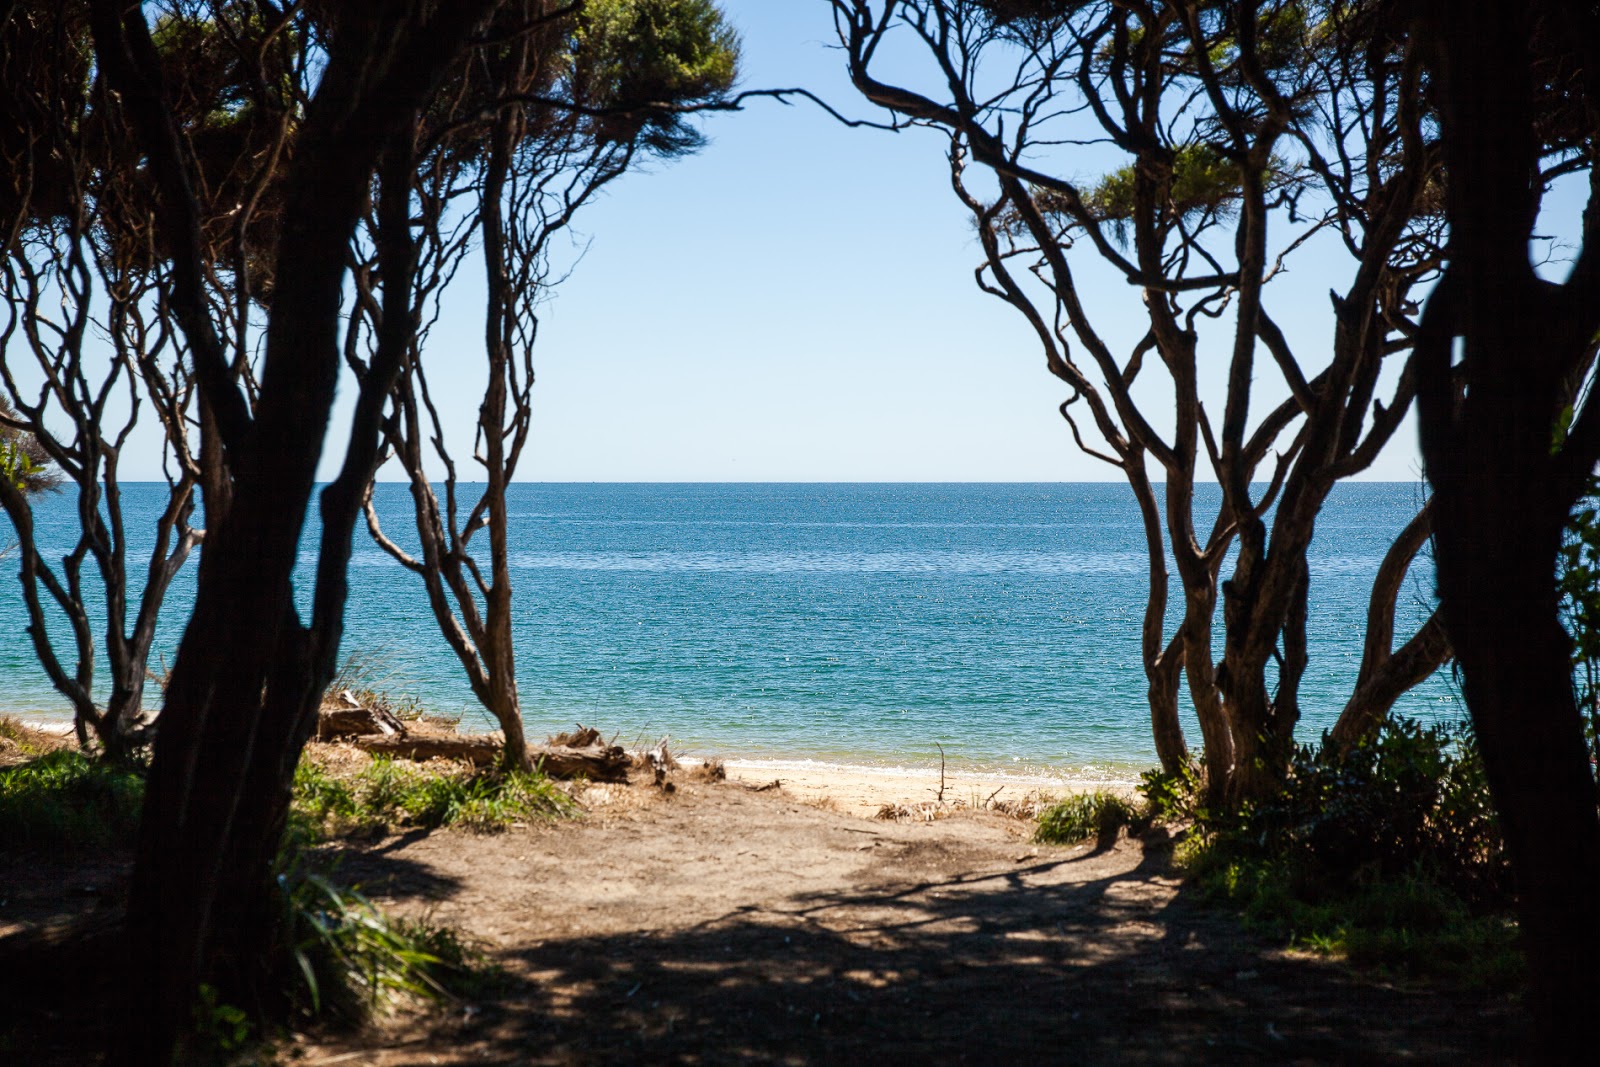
pixel 794 303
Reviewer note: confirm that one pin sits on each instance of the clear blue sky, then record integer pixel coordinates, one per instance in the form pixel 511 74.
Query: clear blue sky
pixel 794 303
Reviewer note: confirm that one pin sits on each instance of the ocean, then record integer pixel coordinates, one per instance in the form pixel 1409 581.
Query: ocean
pixel 848 623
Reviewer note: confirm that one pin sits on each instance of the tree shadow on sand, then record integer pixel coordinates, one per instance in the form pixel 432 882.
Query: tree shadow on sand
pixel 979 968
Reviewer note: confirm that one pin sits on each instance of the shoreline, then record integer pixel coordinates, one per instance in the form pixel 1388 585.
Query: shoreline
pixel 864 790
pixel 858 788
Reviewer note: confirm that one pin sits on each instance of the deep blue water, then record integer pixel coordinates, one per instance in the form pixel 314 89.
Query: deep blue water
pixel 834 621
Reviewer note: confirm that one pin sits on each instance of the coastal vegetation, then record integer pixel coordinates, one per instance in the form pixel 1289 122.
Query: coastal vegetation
pixel 213 210
pixel 1376 123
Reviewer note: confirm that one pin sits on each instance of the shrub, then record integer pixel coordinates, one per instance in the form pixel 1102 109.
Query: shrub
pixel 64 801
pixel 1388 854
pixel 1414 798
pixel 1099 815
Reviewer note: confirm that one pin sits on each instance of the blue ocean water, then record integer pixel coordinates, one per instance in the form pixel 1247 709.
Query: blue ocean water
pixel 863 623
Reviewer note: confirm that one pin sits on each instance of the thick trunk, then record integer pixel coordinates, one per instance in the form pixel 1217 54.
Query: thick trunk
pixel 1504 484
pixel 1516 677
pixel 248 678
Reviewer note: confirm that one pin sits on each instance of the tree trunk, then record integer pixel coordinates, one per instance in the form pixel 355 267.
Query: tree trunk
pixel 248 678
pixel 1163 659
pixel 1386 674
pixel 1504 483
pixel 1398 674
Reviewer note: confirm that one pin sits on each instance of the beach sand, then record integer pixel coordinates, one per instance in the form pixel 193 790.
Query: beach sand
pixel 864 791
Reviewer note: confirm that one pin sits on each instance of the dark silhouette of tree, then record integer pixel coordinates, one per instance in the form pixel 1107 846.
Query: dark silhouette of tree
pixel 1510 434
pixel 1250 130
pixel 250 673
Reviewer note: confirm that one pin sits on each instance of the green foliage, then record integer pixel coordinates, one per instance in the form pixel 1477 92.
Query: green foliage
pixel 644 58
pixel 1388 854
pixel 387 794
pixel 1203 183
pixel 1414 798
pixel 350 957
pixel 218 1025
pixel 1098 815
pixel 23 461
pixel 66 802
pixel 1170 797
pixel 1578 579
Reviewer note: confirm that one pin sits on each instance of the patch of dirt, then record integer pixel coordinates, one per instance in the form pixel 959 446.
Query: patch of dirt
pixel 721 925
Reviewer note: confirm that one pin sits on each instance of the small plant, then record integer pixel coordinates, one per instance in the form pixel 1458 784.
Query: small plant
pixel 1098 815
pixel 1170 797
pixel 64 801
pixel 350 956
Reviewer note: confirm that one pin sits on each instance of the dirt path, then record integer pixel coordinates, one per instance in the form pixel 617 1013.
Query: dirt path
pixel 719 925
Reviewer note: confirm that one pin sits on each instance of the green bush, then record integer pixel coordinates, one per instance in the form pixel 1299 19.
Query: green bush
pixel 1098 815
pixel 64 801
pixel 1414 798
pixel 1388 854
pixel 386 794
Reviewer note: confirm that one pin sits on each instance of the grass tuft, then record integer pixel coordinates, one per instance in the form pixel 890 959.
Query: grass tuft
pixel 63 801
pixel 1096 815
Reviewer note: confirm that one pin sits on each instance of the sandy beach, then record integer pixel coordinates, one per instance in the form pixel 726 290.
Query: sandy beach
pixel 864 791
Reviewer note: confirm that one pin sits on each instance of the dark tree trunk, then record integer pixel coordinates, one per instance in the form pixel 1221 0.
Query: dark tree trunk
pixel 249 676
pixel 1504 486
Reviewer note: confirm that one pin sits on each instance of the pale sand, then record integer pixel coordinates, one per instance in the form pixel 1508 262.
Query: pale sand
pixel 863 791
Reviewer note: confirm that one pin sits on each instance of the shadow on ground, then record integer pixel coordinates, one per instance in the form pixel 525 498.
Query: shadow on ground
pixel 1031 965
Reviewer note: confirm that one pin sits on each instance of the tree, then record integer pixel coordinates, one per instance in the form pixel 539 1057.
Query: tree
pixel 23 462
pixel 1506 358
pixel 1234 119
pixel 536 129
pixel 74 271
pixel 250 673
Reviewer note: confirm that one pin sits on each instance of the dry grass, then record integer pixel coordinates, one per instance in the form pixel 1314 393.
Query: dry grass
pixel 1025 808
pixel 20 742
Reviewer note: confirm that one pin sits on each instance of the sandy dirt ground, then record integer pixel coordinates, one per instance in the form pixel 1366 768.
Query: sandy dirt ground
pixel 738 922
pixel 721 925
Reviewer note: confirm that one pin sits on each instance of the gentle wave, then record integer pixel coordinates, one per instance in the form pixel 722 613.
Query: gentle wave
pixel 781 562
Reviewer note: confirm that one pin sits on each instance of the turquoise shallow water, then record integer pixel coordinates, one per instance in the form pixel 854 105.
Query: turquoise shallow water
pixel 854 623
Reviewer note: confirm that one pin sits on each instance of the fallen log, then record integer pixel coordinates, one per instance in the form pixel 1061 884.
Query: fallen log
pixel 479 751
pixel 598 762
pixel 349 718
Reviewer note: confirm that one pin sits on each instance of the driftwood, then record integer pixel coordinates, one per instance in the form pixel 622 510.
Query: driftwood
pixel 347 717
pixel 480 751
pixel 583 754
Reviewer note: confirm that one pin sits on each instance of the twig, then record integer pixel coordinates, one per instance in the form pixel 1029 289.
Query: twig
pixel 940 747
